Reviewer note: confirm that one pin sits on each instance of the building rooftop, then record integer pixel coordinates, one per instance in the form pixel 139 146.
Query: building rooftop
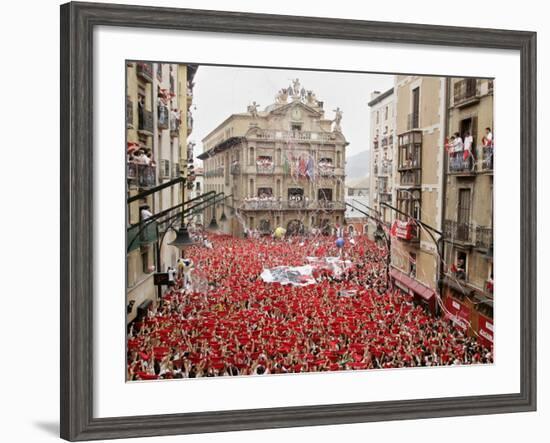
pixel 381 97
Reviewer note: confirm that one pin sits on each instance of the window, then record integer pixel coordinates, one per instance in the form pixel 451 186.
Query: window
pixel 265 192
pixel 412 264
pixel 265 226
pixel 295 193
pixel 386 114
pixel 251 222
pixel 463 228
pixel 145 260
pixel 251 156
pixel 463 206
pixel 296 127
pixel 415 107
pixel 324 194
pixel 377 117
pixel 461 265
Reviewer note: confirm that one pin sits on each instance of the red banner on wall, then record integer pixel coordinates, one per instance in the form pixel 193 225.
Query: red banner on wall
pixel 458 313
pixel 485 331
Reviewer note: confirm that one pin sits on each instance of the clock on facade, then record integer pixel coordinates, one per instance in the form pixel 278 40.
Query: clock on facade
pixel 296 114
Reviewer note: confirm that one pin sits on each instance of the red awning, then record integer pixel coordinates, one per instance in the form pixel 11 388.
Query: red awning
pixel 417 287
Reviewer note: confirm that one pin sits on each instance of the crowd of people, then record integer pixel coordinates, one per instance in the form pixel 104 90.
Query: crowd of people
pixel 238 324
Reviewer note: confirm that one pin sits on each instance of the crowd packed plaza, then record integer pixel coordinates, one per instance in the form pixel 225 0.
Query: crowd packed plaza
pixel 230 322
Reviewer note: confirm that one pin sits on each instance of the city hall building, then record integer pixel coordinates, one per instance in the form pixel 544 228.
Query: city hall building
pixel 282 166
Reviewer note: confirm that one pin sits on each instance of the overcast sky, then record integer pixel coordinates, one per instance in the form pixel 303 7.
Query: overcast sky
pixel 222 91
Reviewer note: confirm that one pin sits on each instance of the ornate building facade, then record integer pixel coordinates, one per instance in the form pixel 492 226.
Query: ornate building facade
pixel 283 166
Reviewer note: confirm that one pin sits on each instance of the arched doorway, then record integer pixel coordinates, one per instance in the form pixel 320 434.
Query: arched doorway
pixel 294 227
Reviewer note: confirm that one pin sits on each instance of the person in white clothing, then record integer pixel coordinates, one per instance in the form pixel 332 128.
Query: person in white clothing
pixel 145 212
pixel 458 144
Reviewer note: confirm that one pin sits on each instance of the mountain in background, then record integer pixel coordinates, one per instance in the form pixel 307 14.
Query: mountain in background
pixel 357 165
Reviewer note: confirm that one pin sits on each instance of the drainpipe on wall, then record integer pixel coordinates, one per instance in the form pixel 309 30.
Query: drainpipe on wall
pixel 441 242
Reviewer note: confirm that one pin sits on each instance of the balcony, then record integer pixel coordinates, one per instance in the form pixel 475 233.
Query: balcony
pixel 189 123
pixel 272 204
pixel 145 121
pixel 406 230
pixel 487 159
pixel 174 126
pixel 176 172
pixel 455 232
pixel 484 237
pixel 129 113
pixel 145 71
pixel 265 167
pixel 142 176
pixel 136 239
pixel 217 172
pixel 328 204
pixel 235 169
pixel 411 177
pixel 163 117
pixel 267 134
pixel 458 165
pixel 465 92
pixel 384 142
pixel 375 144
pixel 386 169
pixel 326 169
pixel 385 197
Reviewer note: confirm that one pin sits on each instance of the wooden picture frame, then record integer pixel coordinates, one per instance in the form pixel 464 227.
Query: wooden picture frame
pixel 77 218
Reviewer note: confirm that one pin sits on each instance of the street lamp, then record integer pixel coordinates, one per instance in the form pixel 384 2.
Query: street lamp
pixel 223 217
pixel 213 226
pixel 183 239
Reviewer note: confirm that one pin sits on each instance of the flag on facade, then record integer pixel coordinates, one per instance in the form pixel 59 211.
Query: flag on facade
pixel 310 168
pixel 286 165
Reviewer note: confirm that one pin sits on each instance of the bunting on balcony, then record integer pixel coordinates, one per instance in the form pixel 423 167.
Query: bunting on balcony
pixel 403 229
pixel 131 147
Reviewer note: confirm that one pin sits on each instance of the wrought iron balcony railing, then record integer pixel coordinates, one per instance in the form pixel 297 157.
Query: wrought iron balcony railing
pixel 484 237
pixel 459 164
pixel 145 121
pixel 145 71
pixel 411 177
pixel 265 168
pixel 129 113
pixel 465 91
pixel 458 232
pixel 268 134
pixel 143 176
pixel 487 158
pixel 278 205
pixel 163 117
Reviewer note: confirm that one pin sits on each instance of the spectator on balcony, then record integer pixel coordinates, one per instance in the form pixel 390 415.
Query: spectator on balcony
pixel 141 158
pixel 145 212
pixel 468 149
pixel 488 138
pixel 458 144
pixel 175 118
pixel 460 269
